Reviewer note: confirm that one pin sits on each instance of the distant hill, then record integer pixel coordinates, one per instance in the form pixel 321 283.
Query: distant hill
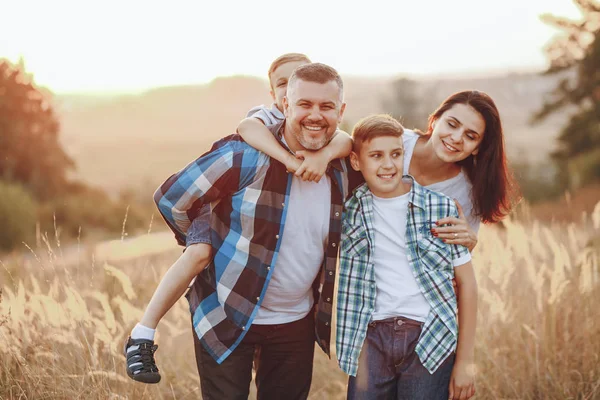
pixel 136 141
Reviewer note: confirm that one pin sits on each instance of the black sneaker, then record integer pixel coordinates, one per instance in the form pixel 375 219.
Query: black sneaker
pixel 140 360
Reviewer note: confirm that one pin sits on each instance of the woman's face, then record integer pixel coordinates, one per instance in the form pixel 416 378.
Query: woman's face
pixel 457 133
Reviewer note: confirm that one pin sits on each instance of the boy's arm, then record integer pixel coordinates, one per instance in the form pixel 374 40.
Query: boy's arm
pixel 315 162
pixel 462 380
pixel 257 135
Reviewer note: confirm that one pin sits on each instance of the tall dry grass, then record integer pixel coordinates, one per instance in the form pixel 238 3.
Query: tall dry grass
pixel 63 319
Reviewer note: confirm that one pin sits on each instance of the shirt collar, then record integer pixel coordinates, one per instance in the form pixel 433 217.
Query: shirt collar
pixel 417 192
pixel 276 112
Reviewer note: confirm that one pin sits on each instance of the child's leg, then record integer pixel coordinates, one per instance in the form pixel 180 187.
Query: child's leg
pixel 415 382
pixel 178 277
pixel 139 348
pixel 175 282
pixel 376 377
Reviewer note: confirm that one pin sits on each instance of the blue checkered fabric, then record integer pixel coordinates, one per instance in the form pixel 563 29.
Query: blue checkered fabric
pixel 431 260
pixel 249 192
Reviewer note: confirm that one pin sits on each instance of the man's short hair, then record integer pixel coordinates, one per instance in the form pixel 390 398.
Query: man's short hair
pixel 286 58
pixel 375 126
pixel 318 73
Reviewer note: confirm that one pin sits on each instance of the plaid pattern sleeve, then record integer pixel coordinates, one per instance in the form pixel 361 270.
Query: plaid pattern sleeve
pixel 214 175
pixel 432 262
pixel 460 254
pixel 246 228
pixel 430 259
pixel 356 293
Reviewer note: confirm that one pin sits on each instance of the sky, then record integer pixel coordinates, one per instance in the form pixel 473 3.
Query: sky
pixel 129 46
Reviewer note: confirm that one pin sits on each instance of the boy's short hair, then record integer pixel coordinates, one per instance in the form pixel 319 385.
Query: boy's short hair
pixel 375 126
pixel 286 58
pixel 318 73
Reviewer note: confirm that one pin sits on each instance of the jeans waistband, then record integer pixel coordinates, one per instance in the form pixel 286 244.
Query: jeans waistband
pixel 397 321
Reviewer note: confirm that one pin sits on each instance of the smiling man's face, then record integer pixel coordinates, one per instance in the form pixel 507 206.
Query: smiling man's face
pixel 313 111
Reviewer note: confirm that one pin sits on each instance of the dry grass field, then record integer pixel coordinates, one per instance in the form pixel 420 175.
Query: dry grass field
pixel 65 312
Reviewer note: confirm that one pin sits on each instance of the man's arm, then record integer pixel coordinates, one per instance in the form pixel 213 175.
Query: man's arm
pixel 257 135
pixel 211 177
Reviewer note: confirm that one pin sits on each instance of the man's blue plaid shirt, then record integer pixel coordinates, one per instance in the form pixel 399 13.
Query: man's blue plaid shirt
pixel 431 260
pixel 249 192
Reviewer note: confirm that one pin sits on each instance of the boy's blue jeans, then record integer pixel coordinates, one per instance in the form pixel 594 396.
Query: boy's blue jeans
pixel 389 368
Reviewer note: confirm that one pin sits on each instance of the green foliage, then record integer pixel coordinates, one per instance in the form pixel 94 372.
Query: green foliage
pixel 576 55
pixel 408 105
pixel 83 211
pixel 537 182
pixel 30 152
pixel 17 216
pixel 35 164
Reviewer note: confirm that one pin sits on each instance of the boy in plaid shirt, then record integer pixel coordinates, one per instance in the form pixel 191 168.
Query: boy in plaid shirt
pixel 397 324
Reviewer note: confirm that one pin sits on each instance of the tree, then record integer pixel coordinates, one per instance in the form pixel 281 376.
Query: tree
pixel 30 152
pixel 17 216
pixel 407 104
pixel 575 56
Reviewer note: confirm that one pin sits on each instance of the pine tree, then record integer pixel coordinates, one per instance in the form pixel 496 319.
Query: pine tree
pixel 575 56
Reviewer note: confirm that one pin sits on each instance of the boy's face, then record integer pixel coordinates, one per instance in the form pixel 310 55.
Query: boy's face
pixel 381 162
pixel 279 80
pixel 313 111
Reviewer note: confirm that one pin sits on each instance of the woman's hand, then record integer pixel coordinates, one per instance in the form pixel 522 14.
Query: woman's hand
pixel 458 232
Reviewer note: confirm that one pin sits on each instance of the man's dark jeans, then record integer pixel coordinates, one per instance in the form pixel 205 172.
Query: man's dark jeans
pixel 284 361
pixel 389 368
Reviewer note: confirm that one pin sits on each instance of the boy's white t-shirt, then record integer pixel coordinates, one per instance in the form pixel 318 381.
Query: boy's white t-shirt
pixel 289 296
pixel 458 187
pixel 398 293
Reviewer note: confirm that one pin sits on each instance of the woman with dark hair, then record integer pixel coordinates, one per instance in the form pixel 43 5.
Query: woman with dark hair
pixel 462 155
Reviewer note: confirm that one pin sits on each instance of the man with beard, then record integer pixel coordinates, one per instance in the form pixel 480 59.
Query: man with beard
pixel 269 289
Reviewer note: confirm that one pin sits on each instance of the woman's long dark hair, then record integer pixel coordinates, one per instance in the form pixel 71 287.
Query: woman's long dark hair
pixel 495 191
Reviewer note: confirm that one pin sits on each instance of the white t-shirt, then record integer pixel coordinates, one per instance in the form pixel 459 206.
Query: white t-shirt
pixel 289 296
pixel 398 293
pixel 458 187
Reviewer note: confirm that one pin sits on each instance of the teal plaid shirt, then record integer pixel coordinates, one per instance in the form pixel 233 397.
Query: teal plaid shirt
pixel 430 259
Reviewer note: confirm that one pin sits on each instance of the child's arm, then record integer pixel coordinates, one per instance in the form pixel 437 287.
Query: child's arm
pixel 463 376
pixel 315 162
pixel 256 134
pixel 175 282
